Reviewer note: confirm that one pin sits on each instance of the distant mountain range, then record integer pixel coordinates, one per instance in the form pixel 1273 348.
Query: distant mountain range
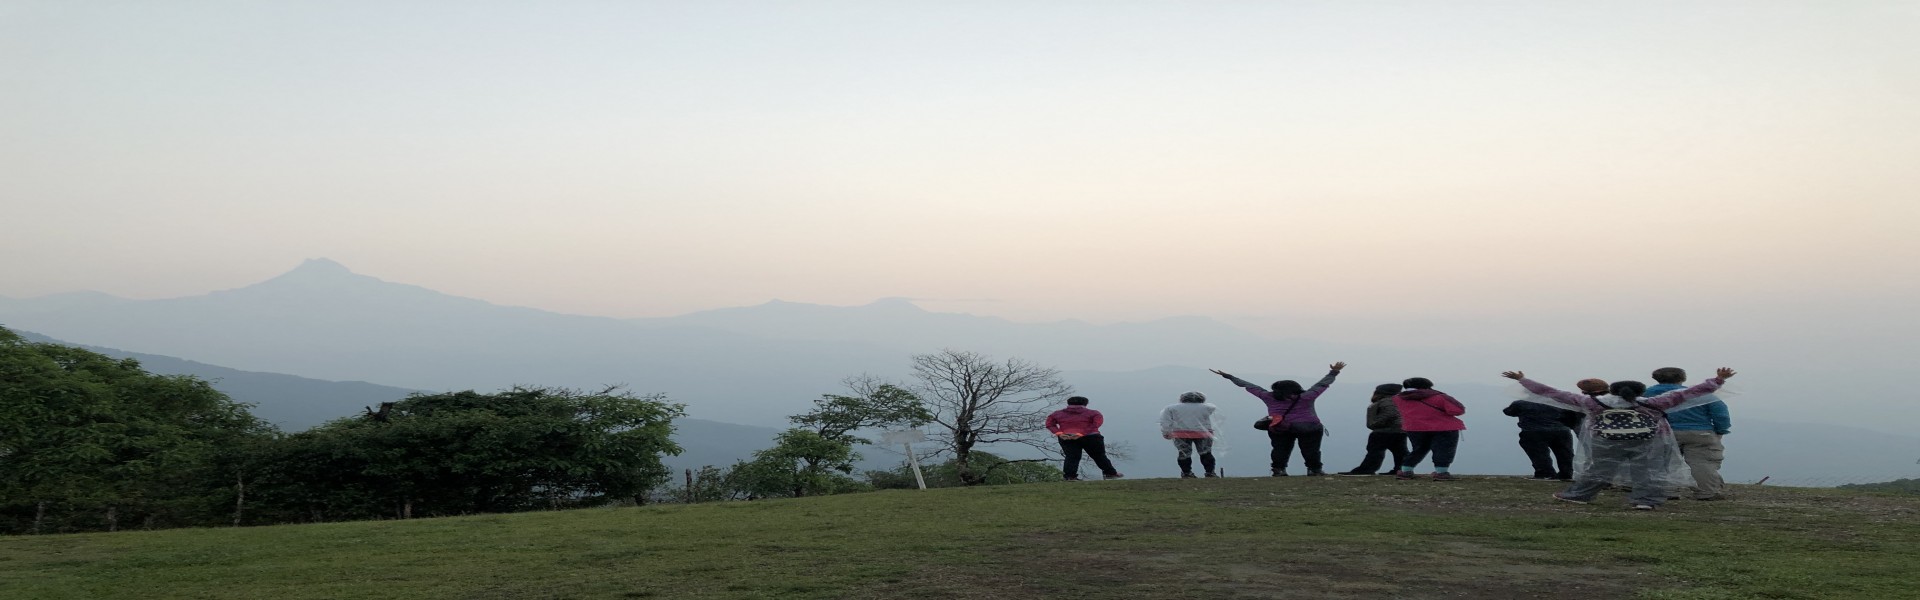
pixel 755 365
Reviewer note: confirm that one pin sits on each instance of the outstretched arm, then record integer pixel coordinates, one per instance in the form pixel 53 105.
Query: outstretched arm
pixel 1236 380
pixel 1333 371
pixel 1579 401
pixel 1320 386
pixel 1676 397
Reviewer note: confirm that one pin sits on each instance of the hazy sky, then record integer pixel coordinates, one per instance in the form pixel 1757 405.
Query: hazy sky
pixel 1293 164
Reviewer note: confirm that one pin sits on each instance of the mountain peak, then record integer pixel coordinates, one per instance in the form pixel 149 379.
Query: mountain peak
pixel 321 266
pixel 317 272
pixel 894 304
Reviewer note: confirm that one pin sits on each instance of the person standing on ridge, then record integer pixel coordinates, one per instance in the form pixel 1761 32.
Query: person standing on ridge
pixel 1384 434
pixel 1626 434
pixel 1546 435
pixel 1078 429
pixel 1697 430
pixel 1189 423
pixel 1292 418
pixel 1432 421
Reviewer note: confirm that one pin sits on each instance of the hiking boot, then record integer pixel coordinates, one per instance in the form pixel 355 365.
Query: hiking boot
pixel 1113 475
pixel 1070 478
pixel 1186 475
pixel 1403 476
pixel 1643 507
pixel 1355 473
pixel 1279 472
pixel 1212 474
pixel 1444 477
pixel 1316 473
pixel 1557 496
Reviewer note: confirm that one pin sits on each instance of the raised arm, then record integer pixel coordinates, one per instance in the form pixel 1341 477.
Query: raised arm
pixel 1236 380
pixel 1580 401
pixel 1676 397
pixel 1320 386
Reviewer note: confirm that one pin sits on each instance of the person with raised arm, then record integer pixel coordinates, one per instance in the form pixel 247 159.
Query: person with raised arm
pixel 1625 434
pixel 1697 430
pixel 1291 418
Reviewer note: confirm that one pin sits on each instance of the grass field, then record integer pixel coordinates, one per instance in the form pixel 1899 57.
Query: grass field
pixel 1267 538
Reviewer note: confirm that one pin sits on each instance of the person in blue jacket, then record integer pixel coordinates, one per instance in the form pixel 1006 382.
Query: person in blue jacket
pixel 1698 432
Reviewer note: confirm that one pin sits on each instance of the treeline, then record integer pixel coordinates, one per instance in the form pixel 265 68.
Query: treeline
pixel 93 443
pixel 1899 486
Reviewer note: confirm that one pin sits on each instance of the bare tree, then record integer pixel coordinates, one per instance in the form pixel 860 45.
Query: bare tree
pixel 979 401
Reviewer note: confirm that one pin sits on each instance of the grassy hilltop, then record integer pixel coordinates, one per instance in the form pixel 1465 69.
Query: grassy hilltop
pixel 1291 538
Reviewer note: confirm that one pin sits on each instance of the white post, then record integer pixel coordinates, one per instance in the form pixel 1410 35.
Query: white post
pixel 907 438
pixel 911 460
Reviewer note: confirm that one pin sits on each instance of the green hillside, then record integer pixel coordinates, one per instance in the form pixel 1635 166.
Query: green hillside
pixel 1293 538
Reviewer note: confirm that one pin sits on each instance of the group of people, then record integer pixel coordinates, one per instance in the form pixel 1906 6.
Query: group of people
pixel 1650 441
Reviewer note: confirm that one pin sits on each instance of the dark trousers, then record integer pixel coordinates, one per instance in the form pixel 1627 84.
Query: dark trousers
pixel 1378 445
pixel 1187 448
pixel 1540 444
pixel 1308 435
pixel 1441 443
pixel 1096 448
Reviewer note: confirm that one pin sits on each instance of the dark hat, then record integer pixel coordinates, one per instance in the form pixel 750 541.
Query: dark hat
pixel 1387 388
pixel 1418 383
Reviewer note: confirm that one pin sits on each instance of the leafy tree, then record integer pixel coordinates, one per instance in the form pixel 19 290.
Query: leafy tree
pixel 89 442
pixel 979 401
pixel 466 452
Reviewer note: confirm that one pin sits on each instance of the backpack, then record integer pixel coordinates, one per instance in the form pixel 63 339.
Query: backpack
pixel 1623 424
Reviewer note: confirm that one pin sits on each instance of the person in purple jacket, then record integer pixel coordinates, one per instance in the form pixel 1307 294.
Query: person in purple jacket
pixel 1292 418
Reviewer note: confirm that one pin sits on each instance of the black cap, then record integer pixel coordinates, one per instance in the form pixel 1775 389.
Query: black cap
pixel 1387 388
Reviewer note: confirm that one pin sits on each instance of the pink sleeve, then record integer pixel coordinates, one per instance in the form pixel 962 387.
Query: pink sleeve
pixel 1098 420
pixel 1674 398
pixel 1454 407
pixel 1053 423
pixel 1568 398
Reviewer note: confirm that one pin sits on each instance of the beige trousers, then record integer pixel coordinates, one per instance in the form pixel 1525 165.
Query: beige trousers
pixel 1703 453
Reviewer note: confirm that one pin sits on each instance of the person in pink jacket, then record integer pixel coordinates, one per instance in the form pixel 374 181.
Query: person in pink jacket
pixel 1078 429
pixel 1432 422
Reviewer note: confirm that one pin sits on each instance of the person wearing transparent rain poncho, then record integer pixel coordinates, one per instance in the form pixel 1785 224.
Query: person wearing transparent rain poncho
pixel 1627 436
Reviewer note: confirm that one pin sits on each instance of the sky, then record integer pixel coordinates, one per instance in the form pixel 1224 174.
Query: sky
pixel 1330 169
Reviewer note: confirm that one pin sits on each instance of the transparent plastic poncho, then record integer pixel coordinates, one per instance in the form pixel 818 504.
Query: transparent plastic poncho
pixel 1654 462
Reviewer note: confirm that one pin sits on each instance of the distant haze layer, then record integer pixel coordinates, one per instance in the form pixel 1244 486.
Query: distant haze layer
pixel 1393 173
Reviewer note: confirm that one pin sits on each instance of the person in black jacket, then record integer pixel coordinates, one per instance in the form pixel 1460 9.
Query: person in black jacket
pixel 1546 435
pixel 1385 435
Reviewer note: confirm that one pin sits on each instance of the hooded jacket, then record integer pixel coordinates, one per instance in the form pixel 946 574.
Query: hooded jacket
pixel 1076 420
pixel 1189 420
pixel 1383 416
pixel 1429 410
